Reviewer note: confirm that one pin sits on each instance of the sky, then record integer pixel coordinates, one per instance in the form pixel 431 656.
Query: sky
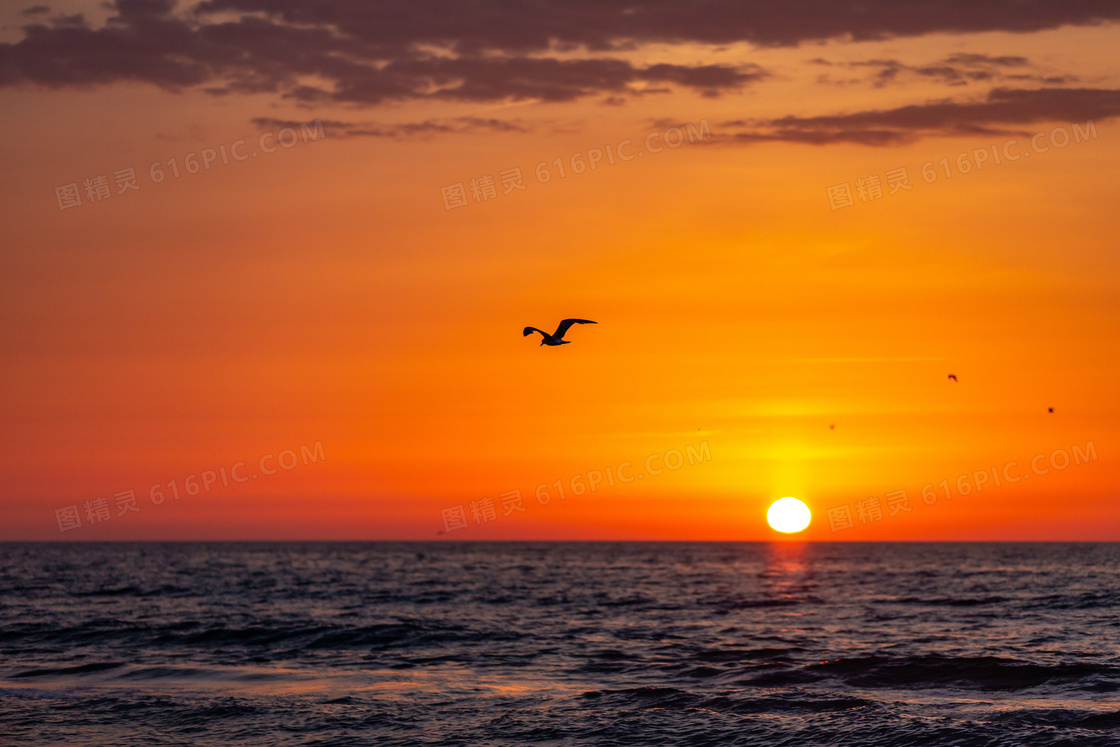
pixel 303 238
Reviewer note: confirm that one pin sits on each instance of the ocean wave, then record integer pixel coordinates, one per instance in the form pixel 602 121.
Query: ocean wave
pixel 585 644
pixel 982 672
pixel 795 701
pixel 92 668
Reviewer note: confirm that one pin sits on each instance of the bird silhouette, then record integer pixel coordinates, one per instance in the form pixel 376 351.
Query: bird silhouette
pixel 557 337
pixel 953 377
pixel 1050 409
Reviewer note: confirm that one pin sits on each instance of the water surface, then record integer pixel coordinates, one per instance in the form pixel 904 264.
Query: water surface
pixel 559 644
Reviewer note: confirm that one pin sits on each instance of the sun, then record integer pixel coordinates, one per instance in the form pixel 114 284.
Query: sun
pixel 788 515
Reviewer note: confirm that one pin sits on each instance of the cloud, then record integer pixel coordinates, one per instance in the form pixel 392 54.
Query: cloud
pixel 378 58
pixel 271 123
pixel 955 70
pixel 471 26
pixel 998 114
pixel 141 43
pixel 980 60
pixel 455 125
pixel 523 78
pixel 369 53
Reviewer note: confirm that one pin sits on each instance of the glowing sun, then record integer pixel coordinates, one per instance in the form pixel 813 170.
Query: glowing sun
pixel 788 515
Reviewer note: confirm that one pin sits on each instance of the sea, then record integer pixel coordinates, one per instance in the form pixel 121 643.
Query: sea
pixel 561 643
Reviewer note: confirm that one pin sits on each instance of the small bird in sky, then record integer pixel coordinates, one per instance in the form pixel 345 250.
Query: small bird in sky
pixel 1050 409
pixel 953 377
pixel 557 337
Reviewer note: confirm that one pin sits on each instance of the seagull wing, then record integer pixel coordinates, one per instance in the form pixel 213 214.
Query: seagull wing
pixel 564 325
pixel 530 330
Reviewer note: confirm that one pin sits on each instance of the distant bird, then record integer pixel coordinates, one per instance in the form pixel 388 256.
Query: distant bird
pixel 953 377
pixel 557 337
pixel 1050 409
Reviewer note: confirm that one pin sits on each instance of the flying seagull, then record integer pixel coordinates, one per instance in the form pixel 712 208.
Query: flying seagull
pixel 953 377
pixel 557 337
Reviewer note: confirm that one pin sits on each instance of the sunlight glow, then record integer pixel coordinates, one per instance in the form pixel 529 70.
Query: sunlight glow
pixel 788 515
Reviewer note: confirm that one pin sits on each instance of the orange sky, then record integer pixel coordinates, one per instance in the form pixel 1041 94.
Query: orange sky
pixel 323 293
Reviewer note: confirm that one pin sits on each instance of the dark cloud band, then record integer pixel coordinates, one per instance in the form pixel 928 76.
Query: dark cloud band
pixel 1000 113
pixel 342 54
pixel 472 25
pixel 367 53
